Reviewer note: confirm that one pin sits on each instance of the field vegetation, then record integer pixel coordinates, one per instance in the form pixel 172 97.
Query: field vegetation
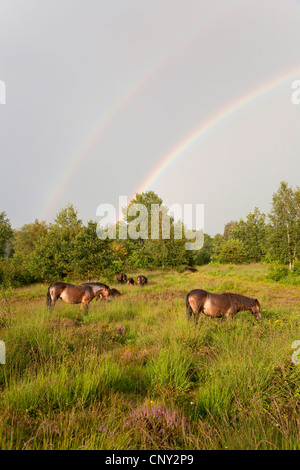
pixel 134 373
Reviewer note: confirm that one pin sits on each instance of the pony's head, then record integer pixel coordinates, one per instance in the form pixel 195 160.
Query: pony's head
pixel 256 310
pixel 105 294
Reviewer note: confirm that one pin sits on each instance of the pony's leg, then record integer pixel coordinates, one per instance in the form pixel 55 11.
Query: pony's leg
pixel 53 301
pixel 189 314
pixel 191 309
pixel 49 303
pixel 197 316
pixel 229 314
pixel 86 307
pixel 52 297
pixel 85 304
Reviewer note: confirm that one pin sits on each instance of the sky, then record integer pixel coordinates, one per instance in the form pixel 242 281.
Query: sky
pixel 188 98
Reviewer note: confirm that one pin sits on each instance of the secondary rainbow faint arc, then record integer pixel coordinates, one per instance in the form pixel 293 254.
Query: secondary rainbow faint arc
pixel 207 125
pixel 75 160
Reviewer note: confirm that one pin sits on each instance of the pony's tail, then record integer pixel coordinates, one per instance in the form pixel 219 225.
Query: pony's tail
pixel 189 310
pixel 49 301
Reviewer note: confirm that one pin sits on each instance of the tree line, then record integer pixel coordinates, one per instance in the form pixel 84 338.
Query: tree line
pixel 69 249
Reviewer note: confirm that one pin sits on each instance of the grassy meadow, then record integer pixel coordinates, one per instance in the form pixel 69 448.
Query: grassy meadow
pixel 134 373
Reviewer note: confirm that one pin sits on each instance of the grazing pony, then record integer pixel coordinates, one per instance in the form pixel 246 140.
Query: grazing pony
pixel 73 294
pixel 115 292
pixel 141 280
pixel 190 268
pixel 121 278
pixel 100 290
pixel 225 305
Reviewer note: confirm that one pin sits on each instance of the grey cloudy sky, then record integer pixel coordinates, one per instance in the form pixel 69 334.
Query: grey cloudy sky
pixel 99 92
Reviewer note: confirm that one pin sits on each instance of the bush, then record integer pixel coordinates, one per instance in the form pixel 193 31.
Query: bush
pixel 277 271
pixel 232 251
pixel 202 258
pixel 296 269
pixel 14 274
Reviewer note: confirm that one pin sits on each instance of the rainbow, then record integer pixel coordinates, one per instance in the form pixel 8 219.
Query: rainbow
pixel 183 147
pixel 82 152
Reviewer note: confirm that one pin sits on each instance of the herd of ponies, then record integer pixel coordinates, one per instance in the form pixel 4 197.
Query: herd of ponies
pixel 225 304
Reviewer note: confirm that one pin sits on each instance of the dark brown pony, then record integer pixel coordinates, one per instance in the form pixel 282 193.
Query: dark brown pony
pixel 115 292
pixel 73 294
pixel 130 281
pixel 141 280
pixel 121 278
pixel 225 305
pixel 190 268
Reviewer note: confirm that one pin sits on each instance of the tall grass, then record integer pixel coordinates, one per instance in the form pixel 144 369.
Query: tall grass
pixel 136 374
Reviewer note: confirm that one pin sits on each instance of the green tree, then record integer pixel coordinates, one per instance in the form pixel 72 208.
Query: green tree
pixel 25 238
pixel 24 245
pixel 149 249
pixel 285 223
pixel 6 234
pixel 217 243
pixel 229 227
pixel 253 234
pixel 203 256
pixel 93 256
pixel 67 218
pixel 54 255
pixel 232 251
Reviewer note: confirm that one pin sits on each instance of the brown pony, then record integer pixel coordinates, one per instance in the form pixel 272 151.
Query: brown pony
pixel 73 294
pixel 225 305
pixel 141 280
pixel 121 278
pixel 115 292
pixel 190 268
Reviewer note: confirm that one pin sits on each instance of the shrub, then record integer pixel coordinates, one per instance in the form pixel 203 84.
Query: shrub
pixel 232 251
pixel 277 271
pixel 296 269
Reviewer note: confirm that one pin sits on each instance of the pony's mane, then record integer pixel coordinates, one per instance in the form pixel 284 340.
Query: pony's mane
pixel 240 300
pixel 99 284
